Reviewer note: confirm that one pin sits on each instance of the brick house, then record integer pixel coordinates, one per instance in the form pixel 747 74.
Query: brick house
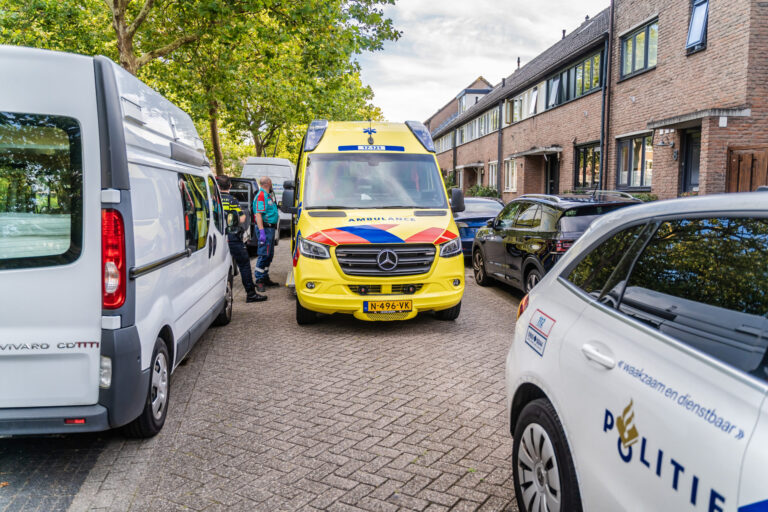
pixel 685 108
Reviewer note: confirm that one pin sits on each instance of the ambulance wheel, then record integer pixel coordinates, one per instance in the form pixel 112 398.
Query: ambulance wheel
pixel 450 313
pixel 152 418
pixel 544 476
pixel 226 314
pixel 303 315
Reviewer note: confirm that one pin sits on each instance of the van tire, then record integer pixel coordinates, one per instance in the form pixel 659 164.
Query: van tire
pixel 226 314
pixel 539 428
pixel 148 424
pixel 449 314
pixel 304 316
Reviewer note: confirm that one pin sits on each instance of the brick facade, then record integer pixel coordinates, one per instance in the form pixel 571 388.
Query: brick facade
pixel 717 95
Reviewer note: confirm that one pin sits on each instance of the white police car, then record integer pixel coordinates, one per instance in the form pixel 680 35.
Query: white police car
pixel 638 374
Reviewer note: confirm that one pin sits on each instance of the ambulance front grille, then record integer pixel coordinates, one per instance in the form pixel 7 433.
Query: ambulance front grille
pixel 361 260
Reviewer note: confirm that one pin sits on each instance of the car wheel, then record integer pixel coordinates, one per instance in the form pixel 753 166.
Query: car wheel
pixel 226 314
pixel 152 418
pixel 478 267
pixel 532 278
pixel 304 316
pixel 449 314
pixel 544 475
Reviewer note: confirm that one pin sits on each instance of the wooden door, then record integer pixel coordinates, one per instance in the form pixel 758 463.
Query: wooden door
pixel 747 169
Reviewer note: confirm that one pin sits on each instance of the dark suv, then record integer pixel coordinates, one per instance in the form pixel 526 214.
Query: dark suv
pixel 529 235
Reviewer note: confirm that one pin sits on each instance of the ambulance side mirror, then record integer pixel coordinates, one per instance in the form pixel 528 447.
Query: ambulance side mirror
pixel 457 200
pixel 287 202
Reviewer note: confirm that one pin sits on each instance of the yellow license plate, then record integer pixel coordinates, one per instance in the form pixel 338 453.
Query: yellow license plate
pixel 388 306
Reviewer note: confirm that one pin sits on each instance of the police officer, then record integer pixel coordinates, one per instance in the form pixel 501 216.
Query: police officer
pixel 267 218
pixel 236 245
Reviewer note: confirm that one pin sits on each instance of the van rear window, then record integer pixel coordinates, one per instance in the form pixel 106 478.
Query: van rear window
pixel 41 190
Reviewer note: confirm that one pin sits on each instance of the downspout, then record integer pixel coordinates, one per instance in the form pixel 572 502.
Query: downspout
pixel 605 122
pixel 499 161
pixel 453 138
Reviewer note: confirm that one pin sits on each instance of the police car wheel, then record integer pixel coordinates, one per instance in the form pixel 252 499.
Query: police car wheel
pixel 478 267
pixel 545 478
pixel 152 417
pixel 304 316
pixel 229 298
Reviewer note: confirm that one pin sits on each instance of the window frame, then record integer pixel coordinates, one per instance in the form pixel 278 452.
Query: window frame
pixel 596 158
pixel 510 185
pixel 701 43
pixel 493 171
pixel 646 28
pixel 643 163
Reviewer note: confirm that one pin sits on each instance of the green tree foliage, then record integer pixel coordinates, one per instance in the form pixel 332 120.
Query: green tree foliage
pixel 260 69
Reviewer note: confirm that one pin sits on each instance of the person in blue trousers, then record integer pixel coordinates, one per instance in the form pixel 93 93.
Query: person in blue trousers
pixel 267 218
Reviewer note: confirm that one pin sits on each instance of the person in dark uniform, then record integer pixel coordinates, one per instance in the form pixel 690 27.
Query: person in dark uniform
pixel 235 240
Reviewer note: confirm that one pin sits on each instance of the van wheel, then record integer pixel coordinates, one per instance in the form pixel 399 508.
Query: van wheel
pixel 152 418
pixel 545 478
pixel 532 278
pixel 303 315
pixel 478 267
pixel 450 313
pixel 226 314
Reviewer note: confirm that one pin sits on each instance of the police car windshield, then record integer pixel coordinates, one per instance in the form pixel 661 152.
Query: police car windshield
pixel 372 180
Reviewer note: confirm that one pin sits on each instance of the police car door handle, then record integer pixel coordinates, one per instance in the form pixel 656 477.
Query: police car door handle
pixel 593 354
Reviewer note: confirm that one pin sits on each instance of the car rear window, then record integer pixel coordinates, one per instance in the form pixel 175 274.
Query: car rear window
pixel 41 190
pixel 481 208
pixel 579 218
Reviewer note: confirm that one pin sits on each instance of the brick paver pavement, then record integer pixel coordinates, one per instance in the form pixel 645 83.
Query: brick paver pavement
pixel 267 415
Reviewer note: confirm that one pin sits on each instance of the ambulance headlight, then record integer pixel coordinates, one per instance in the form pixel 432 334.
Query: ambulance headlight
pixel 452 248
pixel 105 372
pixel 313 250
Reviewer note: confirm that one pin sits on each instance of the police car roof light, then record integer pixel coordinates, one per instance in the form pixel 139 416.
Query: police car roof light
pixel 421 133
pixel 315 133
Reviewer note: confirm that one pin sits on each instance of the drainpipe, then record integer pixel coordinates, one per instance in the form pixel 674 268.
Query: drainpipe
pixel 605 122
pixel 454 154
pixel 499 161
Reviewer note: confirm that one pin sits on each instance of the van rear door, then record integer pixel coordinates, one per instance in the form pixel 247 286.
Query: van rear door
pixel 50 230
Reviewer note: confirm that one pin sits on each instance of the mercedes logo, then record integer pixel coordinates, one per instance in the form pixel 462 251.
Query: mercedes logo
pixel 387 260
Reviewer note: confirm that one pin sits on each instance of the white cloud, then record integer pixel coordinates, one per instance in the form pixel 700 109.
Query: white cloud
pixel 446 44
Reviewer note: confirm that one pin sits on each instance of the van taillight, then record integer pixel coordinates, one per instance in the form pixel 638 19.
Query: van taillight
pixel 112 259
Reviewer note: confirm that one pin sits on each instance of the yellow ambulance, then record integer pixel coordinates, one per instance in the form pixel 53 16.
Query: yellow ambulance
pixel 372 231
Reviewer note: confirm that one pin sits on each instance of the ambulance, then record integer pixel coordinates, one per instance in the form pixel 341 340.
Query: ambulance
pixel 372 228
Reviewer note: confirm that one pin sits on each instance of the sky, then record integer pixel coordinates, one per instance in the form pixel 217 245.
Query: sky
pixel 447 44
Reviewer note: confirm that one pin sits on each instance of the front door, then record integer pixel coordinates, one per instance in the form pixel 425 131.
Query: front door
pixel 553 174
pixel 692 152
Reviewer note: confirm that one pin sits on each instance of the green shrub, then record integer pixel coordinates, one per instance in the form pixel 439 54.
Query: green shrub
pixel 481 191
pixel 645 197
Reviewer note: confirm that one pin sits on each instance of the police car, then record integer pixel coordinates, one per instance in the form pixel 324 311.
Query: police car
pixel 638 373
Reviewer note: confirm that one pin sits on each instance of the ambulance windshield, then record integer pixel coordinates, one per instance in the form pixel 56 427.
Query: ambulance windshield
pixel 372 180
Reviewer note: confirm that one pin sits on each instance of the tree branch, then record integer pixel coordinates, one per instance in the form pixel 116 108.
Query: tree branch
pixel 148 4
pixel 165 50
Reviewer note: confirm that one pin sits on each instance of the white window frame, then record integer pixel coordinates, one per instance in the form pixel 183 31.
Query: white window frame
pixel 493 169
pixel 460 179
pixel 510 175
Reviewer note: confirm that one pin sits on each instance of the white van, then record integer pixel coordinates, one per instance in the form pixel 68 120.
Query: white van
pixel 279 170
pixel 113 259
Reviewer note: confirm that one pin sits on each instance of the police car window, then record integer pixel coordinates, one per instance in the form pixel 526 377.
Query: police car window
pixel 373 180
pixel 41 190
pixel 218 207
pixel 594 271
pixel 705 283
pixel 529 217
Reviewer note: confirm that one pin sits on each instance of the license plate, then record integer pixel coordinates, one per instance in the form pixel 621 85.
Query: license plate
pixel 388 306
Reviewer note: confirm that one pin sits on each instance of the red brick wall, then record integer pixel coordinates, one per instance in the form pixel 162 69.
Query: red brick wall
pixel 444 113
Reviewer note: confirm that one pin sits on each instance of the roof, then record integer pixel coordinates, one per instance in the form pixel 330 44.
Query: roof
pixel 357 134
pixel 479 81
pixel 583 38
pixel 598 197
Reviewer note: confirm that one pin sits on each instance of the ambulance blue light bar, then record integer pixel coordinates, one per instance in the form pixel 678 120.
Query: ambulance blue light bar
pixel 315 134
pixel 421 133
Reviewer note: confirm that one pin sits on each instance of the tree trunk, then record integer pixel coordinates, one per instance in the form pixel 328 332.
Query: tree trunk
pixel 213 119
pixel 258 144
pixel 124 40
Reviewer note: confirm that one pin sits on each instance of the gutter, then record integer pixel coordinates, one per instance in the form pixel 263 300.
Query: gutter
pixel 605 122
pixel 499 162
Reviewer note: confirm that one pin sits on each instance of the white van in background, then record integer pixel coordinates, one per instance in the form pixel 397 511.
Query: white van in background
pixel 113 258
pixel 279 170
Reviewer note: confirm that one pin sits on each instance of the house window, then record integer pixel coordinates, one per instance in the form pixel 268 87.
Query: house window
pixel 635 166
pixel 462 104
pixel 697 31
pixel 532 101
pixel 587 166
pixel 510 176
pixel 554 88
pixel 517 113
pixel 493 168
pixel 639 49
pixel 460 178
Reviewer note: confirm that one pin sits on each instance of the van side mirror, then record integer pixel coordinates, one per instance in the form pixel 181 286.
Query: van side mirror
pixel 286 205
pixel 288 185
pixel 457 200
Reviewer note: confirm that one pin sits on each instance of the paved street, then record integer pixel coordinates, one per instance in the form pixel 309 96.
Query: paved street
pixel 266 415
